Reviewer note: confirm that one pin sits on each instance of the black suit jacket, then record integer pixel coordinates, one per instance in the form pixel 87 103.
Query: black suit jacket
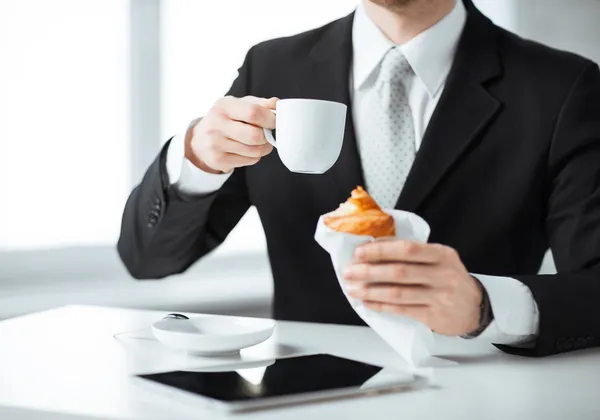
pixel 509 166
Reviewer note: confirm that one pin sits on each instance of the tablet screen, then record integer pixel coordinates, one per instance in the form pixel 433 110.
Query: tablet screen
pixel 285 377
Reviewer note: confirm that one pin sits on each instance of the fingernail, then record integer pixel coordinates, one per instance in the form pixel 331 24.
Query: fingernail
pixel 359 253
pixel 348 273
pixel 354 289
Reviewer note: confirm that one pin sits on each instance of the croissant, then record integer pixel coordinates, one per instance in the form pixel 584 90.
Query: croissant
pixel 361 215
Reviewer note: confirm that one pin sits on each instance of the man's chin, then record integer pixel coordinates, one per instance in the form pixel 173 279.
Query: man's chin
pixel 394 4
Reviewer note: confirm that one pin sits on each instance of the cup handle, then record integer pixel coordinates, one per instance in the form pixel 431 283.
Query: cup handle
pixel 269 133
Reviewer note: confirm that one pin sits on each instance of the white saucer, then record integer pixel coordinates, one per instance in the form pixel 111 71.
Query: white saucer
pixel 212 335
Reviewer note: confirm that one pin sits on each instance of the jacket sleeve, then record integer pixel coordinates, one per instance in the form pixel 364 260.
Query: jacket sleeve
pixel 163 231
pixel 569 302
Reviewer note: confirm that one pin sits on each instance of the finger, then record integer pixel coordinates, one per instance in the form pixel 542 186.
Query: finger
pixel 243 133
pixel 417 312
pixel 241 149
pixel 248 111
pixel 270 103
pixel 398 273
pixel 398 250
pixel 393 294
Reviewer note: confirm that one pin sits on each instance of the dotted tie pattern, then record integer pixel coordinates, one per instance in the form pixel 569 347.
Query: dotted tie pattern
pixel 386 137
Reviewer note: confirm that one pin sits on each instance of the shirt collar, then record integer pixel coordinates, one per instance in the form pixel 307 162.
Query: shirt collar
pixel 430 54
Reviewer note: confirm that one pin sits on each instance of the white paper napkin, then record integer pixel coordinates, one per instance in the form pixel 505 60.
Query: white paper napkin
pixel 411 339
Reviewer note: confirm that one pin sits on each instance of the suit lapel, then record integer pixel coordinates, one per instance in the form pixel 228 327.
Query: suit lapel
pixel 463 112
pixel 326 76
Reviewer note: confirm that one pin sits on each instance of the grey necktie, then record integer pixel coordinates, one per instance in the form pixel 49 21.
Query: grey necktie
pixel 387 137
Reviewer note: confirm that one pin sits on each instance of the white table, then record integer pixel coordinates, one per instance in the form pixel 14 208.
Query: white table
pixel 66 360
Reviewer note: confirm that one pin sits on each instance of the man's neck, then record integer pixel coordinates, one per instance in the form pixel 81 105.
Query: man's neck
pixel 405 23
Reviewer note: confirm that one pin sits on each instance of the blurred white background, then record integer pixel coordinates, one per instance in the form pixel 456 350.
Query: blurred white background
pixel 64 121
pixel 89 92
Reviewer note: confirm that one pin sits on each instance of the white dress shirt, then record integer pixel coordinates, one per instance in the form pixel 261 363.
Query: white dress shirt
pixel 430 55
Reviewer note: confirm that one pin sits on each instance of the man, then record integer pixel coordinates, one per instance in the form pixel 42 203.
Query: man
pixel 494 140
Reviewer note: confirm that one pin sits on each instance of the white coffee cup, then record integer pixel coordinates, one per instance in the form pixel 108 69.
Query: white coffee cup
pixel 310 134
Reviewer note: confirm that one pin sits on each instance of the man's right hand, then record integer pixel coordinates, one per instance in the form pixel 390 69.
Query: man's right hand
pixel 231 134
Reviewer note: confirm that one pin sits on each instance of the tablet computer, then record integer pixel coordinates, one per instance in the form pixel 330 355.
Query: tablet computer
pixel 286 381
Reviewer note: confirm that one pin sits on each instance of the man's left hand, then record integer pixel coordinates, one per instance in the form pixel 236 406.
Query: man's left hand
pixel 427 282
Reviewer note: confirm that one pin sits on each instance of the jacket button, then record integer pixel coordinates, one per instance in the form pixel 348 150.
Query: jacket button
pixel 569 344
pixel 560 343
pixel 580 343
pixel 152 220
pixel 153 212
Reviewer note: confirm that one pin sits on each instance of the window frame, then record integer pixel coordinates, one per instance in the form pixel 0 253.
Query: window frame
pixel 145 85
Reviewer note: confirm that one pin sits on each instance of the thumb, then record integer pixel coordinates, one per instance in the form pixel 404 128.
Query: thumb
pixel 269 103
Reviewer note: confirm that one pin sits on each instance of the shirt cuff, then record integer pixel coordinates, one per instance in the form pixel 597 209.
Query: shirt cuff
pixel 516 314
pixel 187 177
